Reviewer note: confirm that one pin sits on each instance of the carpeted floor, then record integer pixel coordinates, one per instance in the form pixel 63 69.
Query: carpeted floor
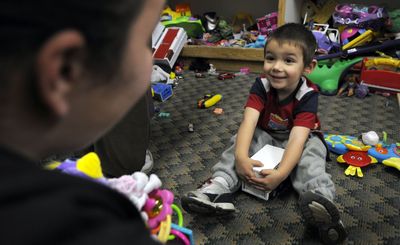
pixel 370 205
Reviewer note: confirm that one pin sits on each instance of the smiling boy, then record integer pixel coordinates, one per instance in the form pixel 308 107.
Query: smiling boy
pixel 281 110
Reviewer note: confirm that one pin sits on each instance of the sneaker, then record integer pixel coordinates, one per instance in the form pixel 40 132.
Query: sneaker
pixel 323 214
pixel 211 198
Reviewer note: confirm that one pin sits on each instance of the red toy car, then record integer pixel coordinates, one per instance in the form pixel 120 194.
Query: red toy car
pixel 225 75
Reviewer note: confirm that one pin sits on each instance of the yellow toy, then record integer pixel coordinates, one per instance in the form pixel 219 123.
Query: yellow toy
pixel 382 64
pixel 367 36
pixel 209 100
pixel 392 162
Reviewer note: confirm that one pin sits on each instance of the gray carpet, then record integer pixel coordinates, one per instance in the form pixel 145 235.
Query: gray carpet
pixel 370 205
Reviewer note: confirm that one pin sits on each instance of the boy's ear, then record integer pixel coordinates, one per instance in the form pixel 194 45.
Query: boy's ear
pixel 58 65
pixel 308 69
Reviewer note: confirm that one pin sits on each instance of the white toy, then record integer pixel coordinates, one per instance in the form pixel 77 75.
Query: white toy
pixel 370 138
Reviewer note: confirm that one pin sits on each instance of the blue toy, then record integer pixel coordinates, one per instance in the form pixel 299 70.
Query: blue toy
pixel 259 43
pixel 162 91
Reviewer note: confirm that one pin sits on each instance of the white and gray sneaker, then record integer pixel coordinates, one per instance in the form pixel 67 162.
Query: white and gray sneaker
pixel 323 214
pixel 211 198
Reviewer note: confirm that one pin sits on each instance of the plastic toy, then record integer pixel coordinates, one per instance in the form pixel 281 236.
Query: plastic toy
pixel 392 162
pixel 394 18
pixel 259 43
pixel 169 46
pixel 226 75
pixel 336 144
pixel 209 100
pixel 353 37
pixel 87 167
pixel 383 152
pixel 362 50
pixel 350 84
pixel 359 15
pixel 380 79
pixel 192 26
pixel 327 77
pixel 190 128
pixel 183 9
pixel 268 23
pixel 212 71
pixel 163 114
pixel 356 160
pixel 218 111
pixel 162 91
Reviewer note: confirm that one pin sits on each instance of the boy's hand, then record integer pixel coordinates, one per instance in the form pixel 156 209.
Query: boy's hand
pixel 270 179
pixel 244 168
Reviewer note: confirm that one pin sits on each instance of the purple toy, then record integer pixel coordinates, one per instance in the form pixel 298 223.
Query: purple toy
pixel 359 15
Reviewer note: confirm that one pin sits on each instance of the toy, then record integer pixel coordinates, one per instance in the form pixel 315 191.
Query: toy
pixel 242 20
pixel 394 18
pixel 209 100
pixel 162 91
pixel 359 15
pixel 383 152
pixel 353 37
pixel 218 111
pixel 336 144
pixel 350 84
pixel 356 160
pixel 192 26
pixel 225 75
pixel 183 9
pixel 327 77
pixel 212 71
pixel 87 167
pixel 362 50
pixel 380 79
pixel 392 162
pixel 169 46
pixel 268 23
pixel 163 114
pixel 259 43
pixel 159 75
pixel 318 14
pixel 370 138
pixel 327 38
pixel 190 128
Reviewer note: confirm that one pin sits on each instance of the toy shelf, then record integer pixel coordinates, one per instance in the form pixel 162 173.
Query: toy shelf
pixel 232 58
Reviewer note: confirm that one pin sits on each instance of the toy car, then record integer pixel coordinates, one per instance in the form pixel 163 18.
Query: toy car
pixel 226 75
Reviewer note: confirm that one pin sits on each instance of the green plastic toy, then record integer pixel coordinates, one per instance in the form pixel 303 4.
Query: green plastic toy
pixel 327 77
pixel 193 27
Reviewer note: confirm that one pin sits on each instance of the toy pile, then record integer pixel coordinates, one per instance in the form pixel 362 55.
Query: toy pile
pixel 155 205
pixel 358 47
pixel 367 150
pixel 211 29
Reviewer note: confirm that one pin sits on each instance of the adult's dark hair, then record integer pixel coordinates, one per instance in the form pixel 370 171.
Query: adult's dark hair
pixel 26 24
pixel 298 35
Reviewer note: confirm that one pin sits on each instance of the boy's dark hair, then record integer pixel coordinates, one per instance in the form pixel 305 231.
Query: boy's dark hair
pixel 298 35
pixel 25 25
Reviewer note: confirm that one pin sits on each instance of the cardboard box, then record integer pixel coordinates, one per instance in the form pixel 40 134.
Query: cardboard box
pixel 270 156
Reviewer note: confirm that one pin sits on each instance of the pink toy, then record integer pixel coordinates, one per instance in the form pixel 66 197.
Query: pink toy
pixel 350 33
pixel 267 23
pixel 158 206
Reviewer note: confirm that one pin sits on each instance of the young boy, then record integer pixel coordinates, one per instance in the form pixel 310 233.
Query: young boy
pixel 69 70
pixel 281 110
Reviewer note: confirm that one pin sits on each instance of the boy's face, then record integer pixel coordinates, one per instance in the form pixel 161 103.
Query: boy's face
pixel 283 65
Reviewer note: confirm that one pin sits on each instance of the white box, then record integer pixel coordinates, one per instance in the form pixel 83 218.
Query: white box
pixel 270 156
